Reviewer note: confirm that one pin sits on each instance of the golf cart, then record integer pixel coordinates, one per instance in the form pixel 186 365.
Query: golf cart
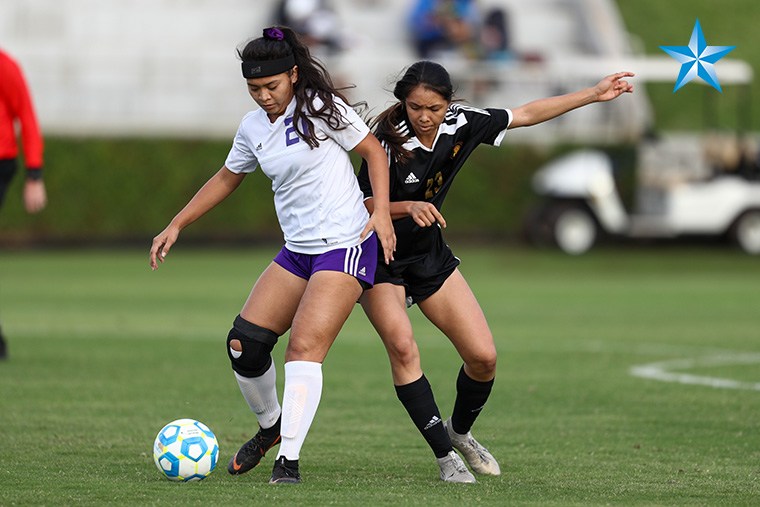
pixel 685 185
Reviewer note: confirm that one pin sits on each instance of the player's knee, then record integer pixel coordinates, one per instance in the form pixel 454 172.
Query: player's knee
pixel 249 347
pixel 488 364
pixel 302 349
pixel 483 365
pixel 402 350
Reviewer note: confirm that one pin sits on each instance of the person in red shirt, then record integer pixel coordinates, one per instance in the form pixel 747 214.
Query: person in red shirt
pixel 16 106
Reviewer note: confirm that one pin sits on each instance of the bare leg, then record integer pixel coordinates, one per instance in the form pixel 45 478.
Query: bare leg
pixel 456 312
pixel 326 304
pixel 385 305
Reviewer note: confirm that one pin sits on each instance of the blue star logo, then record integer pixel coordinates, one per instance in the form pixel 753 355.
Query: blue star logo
pixel 697 59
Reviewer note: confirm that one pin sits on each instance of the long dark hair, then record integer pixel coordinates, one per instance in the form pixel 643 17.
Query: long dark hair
pixel 424 73
pixel 313 80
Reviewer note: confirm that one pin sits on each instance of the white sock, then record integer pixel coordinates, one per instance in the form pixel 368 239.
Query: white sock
pixel 303 390
pixel 261 395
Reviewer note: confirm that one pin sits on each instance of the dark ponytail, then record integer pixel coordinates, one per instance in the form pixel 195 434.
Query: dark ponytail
pixel 386 125
pixel 313 80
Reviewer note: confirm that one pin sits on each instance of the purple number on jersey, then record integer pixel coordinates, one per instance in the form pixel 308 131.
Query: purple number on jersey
pixel 291 136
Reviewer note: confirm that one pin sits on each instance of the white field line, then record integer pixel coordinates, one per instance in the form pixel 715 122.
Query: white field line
pixel 665 371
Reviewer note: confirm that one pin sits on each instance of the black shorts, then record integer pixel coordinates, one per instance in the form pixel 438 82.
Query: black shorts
pixel 7 170
pixel 421 273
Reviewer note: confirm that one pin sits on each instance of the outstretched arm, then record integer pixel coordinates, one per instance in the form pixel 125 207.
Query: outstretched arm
pixel 541 110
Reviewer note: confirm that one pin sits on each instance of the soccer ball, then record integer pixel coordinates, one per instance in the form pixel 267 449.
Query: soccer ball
pixel 185 450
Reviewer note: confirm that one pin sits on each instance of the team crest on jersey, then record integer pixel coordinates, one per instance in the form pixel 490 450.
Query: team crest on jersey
pixel 455 150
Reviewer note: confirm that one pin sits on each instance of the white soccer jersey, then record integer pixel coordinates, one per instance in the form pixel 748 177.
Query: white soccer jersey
pixel 316 195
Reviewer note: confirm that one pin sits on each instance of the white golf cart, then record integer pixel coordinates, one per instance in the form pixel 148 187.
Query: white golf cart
pixel 685 185
pixel 678 193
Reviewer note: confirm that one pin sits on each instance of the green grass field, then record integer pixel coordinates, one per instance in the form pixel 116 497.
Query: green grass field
pixel 104 352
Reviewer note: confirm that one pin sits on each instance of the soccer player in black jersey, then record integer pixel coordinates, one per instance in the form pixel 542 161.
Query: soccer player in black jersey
pixel 428 139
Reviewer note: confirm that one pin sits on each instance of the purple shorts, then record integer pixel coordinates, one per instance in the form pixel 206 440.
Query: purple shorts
pixel 359 261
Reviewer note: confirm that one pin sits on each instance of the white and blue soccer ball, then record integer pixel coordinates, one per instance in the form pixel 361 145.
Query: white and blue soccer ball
pixel 186 450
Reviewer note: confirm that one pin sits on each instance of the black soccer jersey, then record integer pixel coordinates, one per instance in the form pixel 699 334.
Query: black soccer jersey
pixel 429 173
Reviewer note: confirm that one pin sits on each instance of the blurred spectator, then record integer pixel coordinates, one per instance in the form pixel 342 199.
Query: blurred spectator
pixel 494 35
pixel 315 21
pixel 445 26
pixel 16 106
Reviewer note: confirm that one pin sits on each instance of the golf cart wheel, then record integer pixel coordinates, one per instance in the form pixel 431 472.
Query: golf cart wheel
pixel 574 228
pixel 746 232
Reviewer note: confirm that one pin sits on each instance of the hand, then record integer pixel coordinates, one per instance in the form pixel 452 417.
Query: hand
pixel 425 214
pixel 161 245
pixel 35 196
pixel 613 86
pixel 382 224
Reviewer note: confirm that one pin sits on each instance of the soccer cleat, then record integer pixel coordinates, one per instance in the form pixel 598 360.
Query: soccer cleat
pixel 285 471
pixel 250 454
pixel 454 470
pixel 480 460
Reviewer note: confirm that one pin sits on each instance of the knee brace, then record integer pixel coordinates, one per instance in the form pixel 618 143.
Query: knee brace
pixel 256 343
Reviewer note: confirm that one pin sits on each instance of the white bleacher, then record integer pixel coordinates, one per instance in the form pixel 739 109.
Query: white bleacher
pixel 168 67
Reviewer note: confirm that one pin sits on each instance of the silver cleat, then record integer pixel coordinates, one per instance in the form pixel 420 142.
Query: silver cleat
pixel 480 460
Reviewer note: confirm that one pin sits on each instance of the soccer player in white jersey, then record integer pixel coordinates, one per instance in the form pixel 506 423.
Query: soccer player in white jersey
pixel 300 137
pixel 428 138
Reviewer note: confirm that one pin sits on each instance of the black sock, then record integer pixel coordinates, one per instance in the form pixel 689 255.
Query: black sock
pixel 273 431
pixel 471 398
pixel 418 400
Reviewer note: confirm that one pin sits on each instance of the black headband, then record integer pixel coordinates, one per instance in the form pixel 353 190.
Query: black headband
pixel 265 68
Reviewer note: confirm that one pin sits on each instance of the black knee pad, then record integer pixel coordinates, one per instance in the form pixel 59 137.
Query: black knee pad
pixel 257 344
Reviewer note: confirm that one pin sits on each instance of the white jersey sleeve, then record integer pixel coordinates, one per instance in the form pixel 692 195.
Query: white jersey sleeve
pixel 355 129
pixel 241 158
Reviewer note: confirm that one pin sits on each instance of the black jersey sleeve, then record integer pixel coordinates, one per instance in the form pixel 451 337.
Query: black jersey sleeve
pixel 499 122
pixel 479 125
pixel 364 183
pixel 488 124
